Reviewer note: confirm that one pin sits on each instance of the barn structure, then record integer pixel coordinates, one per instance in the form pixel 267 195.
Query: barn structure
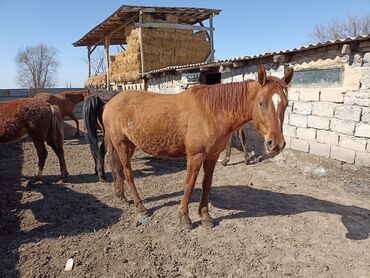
pixel 155 37
pixel 329 98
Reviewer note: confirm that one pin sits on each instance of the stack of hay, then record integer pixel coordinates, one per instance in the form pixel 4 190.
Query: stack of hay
pixel 96 81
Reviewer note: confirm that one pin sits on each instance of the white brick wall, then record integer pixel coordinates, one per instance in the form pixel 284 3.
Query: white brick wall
pixel 353 143
pixel 306 133
pixel 347 112
pixel 362 130
pixel 298 120
pixel 363 159
pixel 332 95
pixel 327 137
pixel 304 108
pixel 342 154
pixel 342 126
pixel 300 145
pixel 318 122
pixel 323 109
pixel 320 149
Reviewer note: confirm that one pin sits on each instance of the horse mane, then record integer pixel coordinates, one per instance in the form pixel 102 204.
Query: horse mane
pixel 229 96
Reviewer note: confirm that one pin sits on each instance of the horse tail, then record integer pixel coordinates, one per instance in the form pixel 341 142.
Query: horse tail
pixel 92 112
pixel 57 133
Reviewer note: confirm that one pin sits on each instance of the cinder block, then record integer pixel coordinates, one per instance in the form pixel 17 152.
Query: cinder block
pixel 304 108
pixel 298 120
pixel 290 131
pixel 361 98
pixel 287 113
pixel 293 94
pixel 327 137
pixel 342 126
pixel 365 115
pixel 300 145
pixel 362 130
pixel 365 80
pixel 320 149
pixel 306 133
pixel 323 109
pixel 352 143
pixel 318 122
pixel 342 154
pixel 362 159
pixel 287 142
pixel 331 95
pixel 347 112
pixel 309 94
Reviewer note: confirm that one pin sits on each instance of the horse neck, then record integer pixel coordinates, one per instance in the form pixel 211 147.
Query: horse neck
pixel 232 104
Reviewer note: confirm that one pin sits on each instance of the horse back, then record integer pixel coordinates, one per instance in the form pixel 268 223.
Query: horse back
pixel 21 117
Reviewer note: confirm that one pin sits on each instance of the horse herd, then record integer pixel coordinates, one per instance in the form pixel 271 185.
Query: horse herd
pixel 196 124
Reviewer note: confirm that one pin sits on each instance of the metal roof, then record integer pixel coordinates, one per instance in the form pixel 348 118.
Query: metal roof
pixel 126 14
pixel 263 55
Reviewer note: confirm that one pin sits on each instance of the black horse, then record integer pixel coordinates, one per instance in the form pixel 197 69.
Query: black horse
pixel 93 111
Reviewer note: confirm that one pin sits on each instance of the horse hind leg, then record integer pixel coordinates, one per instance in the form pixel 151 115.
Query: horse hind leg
pixel 73 117
pixel 227 154
pixel 125 151
pixel 42 154
pixel 118 175
pixel 247 154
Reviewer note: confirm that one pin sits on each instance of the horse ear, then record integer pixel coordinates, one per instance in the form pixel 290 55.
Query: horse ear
pixel 288 76
pixel 262 76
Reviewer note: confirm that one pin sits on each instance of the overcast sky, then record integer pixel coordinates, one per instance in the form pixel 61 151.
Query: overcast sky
pixel 243 27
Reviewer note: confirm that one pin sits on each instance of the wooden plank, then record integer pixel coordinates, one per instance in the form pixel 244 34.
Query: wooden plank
pixel 141 41
pixel 171 26
pixel 212 55
pixel 106 46
pixel 89 59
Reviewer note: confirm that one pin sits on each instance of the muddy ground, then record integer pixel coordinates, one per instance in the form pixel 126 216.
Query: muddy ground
pixel 282 217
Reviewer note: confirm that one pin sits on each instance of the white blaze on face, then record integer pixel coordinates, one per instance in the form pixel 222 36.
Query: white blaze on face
pixel 276 100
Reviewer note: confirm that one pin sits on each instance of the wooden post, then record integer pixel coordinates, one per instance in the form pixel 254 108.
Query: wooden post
pixel 89 59
pixel 211 35
pixel 106 46
pixel 141 42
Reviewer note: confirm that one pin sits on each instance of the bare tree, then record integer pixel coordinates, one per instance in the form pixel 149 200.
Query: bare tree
pixel 98 63
pixel 37 66
pixel 352 26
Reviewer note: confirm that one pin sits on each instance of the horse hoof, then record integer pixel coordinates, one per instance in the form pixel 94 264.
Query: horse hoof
pixel 208 224
pixel 186 226
pixel 141 210
pixel 103 178
pixel 223 163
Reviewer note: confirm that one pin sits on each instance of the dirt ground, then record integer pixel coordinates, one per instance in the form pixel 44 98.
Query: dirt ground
pixel 295 215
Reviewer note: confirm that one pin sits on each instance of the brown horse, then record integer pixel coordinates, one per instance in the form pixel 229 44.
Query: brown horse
pixel 38 119
pixel 196 123
pixel 66 101
pixel 247 154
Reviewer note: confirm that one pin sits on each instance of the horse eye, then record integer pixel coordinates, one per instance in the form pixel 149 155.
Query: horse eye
pixel 263 104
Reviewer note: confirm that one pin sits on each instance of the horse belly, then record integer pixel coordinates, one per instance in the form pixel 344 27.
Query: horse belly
pixel 11 133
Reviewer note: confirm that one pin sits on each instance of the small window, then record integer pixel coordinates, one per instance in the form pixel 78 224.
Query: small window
pixel 318 77
pixel 213 78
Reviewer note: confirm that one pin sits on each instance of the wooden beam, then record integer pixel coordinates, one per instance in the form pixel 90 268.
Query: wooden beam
pixel 171 26
pixel 106 46
pixel 141 41
pixel 208 36
pixel 118 29
pixel 89 59
pixel 211 35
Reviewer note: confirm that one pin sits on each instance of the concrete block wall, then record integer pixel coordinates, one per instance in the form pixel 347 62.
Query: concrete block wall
pixel 333 122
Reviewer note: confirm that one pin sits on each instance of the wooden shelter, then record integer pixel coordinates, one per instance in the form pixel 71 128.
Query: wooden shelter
pixel 156 37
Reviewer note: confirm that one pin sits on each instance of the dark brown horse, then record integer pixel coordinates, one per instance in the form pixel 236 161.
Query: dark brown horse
pixel 66 101
pixel 247 155
pixel 196 123
pixel 38 119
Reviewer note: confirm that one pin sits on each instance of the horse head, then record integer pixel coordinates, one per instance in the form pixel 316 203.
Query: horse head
pixel 269 108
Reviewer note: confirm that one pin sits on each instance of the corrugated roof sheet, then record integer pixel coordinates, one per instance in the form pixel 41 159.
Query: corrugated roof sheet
pixel 243 58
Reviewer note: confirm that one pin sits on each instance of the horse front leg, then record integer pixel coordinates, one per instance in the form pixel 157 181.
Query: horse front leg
pixel 208 167
pixel 194 162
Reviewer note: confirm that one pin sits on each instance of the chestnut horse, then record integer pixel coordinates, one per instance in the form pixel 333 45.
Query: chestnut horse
pixel 38 119
pixel 247 154
pixel 93 111
pixel 66 101
pixel 196 123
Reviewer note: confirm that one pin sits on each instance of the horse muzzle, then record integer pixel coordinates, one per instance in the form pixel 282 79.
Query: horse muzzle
pixel 273 148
